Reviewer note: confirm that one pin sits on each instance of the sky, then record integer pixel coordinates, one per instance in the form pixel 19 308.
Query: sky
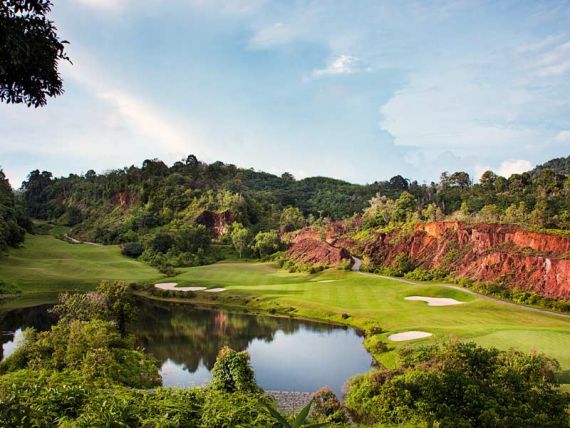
pixel 357 90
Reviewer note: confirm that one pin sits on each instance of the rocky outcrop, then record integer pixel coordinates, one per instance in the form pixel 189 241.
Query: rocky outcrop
pixel 217 223
pixel 125 199
pixel 314 251
pixel 485 252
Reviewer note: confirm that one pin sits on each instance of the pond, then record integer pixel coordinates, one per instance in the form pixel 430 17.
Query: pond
pixel 286 354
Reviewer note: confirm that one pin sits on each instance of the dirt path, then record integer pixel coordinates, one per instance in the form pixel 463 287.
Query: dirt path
pixel 76 241
pixel 356 265
pixel 465 290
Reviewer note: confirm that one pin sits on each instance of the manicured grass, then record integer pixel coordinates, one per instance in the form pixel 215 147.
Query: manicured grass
pixel 367 298
pixel 45 264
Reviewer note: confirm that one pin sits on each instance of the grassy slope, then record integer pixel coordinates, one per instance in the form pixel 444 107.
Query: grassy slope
pixel 46 264
pixel 367 298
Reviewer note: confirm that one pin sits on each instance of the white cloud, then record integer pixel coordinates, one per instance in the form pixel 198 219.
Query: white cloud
pixel 563 137
pixel 549 57
pixel 275 34
pixel 105 5
pixel 342 64
pixel 514 166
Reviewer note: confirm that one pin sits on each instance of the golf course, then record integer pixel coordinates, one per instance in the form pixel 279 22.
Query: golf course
pixel 45 266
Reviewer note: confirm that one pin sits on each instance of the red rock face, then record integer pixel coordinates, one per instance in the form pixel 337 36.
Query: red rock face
pixel 126 199
pixel 484 252
pixel 315 251
pixel 217 223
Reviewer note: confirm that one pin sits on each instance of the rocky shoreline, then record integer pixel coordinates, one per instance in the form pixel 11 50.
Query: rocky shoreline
pixel 289 401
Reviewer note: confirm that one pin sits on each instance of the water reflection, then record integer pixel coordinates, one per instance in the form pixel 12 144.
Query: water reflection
pixel 14 322
pixel 286 354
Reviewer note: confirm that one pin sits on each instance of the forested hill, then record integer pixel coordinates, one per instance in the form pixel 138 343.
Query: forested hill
pixel 558 165
pixel 128 204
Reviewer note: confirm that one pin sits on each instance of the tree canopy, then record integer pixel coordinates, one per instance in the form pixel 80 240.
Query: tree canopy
pixel 30 52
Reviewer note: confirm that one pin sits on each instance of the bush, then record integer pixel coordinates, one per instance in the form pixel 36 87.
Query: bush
pixel 132 249
pixel 232 372
pixel 6 288
pixel 461 384
pixel 327 407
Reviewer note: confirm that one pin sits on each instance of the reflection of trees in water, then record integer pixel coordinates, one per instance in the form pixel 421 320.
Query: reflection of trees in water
pixel 37 317
pixel 188 335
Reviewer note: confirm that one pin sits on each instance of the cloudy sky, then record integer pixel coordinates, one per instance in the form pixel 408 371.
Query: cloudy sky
pixel 359 90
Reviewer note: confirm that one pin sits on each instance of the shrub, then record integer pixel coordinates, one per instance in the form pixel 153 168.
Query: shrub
pixel 132 249
pixel 232 372
pixel 461 384
pixel 6 288
pixel 327 407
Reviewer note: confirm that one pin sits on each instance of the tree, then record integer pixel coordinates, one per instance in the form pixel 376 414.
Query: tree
pixel 30 51
pixel 291 219
pixel 406 205
pixel 232 372
pixel 266 243
pixel 240 237
pixel 118 298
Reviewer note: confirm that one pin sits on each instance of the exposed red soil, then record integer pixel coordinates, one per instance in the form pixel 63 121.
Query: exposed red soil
pixel 217 223
pixel 126 199
pixel 484 252
pixel 315 251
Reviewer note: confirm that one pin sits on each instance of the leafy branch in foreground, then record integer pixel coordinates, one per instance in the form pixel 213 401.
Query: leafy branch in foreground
pixel 298 422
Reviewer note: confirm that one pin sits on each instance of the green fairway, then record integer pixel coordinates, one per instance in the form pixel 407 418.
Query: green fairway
pixel 45 264
pixel 366 298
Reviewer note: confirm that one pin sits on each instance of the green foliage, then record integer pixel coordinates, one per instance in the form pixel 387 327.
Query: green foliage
pixel 93 348
pixel 266 243
pixel 522 297
pixel 232 372
pixel 419 274
pixel 45 399
pixel 297 422
pixel 461 384
pixel 81 306
pixel 327 407
pixel 30 51
pixel 240 237
pixel 8 289
pixel 291 219
pixel 13 223
pixel 238 409
pixel 118 300
pixel 132 249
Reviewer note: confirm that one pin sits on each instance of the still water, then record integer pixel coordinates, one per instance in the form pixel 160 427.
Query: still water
pixel 286 354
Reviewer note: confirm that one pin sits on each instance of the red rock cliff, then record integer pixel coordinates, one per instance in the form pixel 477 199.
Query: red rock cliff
pixel 528 260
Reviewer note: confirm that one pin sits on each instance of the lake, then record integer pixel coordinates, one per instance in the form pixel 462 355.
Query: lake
pixel 286 354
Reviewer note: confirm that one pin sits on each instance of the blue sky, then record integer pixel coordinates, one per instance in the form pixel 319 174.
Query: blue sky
pixel 358 90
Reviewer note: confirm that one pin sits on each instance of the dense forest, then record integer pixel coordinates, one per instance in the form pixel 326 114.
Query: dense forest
pixel 13 221
pixel 171 214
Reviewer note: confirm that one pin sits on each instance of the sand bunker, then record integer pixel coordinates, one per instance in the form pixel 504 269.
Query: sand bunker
pixel 215 290
pixel 172 286
pixel 408 335
pixel 435 301
pixel 328 280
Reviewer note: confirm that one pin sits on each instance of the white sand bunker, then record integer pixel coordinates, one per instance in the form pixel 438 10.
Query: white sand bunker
pixel 172 286
pixel 215 290
pixel 435 301
pixel 408 335
pixel 328 280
